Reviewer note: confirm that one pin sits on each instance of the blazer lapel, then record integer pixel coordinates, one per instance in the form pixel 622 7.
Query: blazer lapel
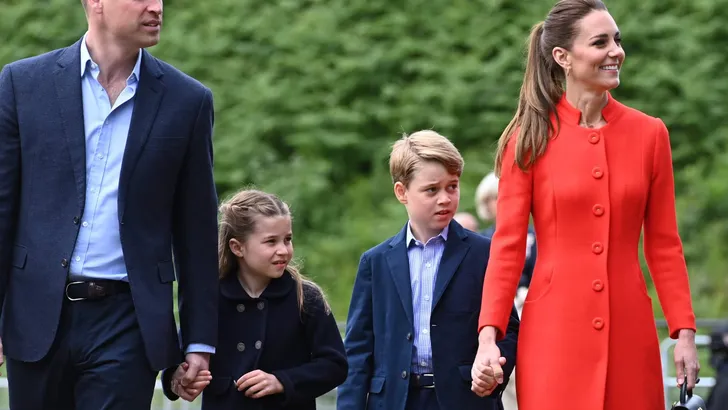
pixel 399 269
pixel 455 250
pixel 146 104
pixel 67 78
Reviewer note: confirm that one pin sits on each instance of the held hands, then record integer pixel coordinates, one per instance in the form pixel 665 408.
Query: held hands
pixel 196 362
pixel 259 384
pixel 193 389
pixel 686 358
pixel 487 371
pixel 2 358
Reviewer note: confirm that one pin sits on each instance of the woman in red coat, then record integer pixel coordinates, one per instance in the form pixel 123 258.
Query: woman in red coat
pixel 592 172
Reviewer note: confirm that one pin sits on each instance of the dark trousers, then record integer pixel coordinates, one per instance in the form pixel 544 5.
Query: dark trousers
pixel 421 399
pixel 97 362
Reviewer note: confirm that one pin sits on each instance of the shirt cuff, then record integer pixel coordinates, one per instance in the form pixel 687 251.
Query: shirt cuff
pixel 199 348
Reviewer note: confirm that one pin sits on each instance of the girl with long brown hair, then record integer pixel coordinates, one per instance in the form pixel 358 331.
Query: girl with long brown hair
pixel 278 343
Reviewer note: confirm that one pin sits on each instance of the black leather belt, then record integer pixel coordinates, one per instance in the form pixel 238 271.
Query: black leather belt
pixel 422 381
pixel 95 289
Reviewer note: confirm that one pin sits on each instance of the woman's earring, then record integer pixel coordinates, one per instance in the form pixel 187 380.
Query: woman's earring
pixel 568 71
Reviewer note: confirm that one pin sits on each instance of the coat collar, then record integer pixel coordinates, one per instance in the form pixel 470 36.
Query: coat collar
pixel 571 115
pixel 456 247
pixel 277 288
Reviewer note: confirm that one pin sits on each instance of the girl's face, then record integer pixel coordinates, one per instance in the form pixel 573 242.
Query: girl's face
pixel 269 248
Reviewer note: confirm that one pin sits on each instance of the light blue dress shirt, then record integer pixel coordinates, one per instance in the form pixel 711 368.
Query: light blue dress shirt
pixel 98 253
pixel 424 261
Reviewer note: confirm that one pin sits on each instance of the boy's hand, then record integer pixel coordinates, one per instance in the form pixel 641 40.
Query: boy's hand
pixel 193 389
pixel 259 384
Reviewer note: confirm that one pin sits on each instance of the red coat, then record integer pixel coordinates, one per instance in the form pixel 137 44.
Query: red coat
pixel 588 332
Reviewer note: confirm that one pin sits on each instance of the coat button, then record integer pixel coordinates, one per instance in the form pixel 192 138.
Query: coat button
pixel 64 262
pixel 409 336
pixel 261 305
pixel 598 323
pixel 258 344
pixel 597 248
pixel 597 285
pixel 76 220
pixel 404 374
pixel 597 172
pixel 241 346
pixel 598 210
pixel 594 138
pixel 241 308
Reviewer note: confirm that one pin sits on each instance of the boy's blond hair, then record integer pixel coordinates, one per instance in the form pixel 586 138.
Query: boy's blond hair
pixel 422 146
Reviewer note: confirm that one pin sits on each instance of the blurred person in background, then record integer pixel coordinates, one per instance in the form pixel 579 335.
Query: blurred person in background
pixel 718 398
pixel 107 198
pixel 467 220
pixel 593 173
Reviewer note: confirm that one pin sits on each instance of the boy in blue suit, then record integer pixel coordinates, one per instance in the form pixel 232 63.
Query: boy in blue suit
pixel 411 334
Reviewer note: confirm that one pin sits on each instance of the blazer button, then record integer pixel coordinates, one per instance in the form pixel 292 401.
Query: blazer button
pixel 404 374
pixel 594 138
pixel 597 173
pixel 261 305
pixel 258 344
pixel 241 346
pixel 597 285
pixel 409 336
pixel 598 323
pixel 597 248
pixel 64 262
pixel 598 210
pixel 241 308
pixel 76 220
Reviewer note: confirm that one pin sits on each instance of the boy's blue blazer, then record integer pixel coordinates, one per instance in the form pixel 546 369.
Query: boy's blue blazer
pixel 379 331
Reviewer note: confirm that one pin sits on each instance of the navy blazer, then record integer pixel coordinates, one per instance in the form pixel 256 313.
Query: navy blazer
pixel 302 349
pixel 167 203
pixel 379 329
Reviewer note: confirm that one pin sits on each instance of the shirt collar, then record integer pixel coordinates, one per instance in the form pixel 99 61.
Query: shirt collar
pixel 86 61
pixel 411 237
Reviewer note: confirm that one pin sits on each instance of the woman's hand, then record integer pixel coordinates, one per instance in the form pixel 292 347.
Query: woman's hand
pixel 487 371
pixel 686 358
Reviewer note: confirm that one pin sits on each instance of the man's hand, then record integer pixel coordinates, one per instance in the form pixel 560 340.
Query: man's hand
pixel 259 384
pixel 196 362
pixel 193 389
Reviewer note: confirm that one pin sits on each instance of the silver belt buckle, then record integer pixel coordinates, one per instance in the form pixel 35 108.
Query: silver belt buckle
pixel 70 298
pixel 433 380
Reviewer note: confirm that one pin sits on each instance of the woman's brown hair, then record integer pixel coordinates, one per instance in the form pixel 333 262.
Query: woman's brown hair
pixel 238 216
pixel 543 82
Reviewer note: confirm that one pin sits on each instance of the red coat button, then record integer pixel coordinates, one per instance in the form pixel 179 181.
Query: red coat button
pixel 597 172
pixel 597 248
pixel 597 285
pixel 594 138
pixel 598 323
pixel 598 210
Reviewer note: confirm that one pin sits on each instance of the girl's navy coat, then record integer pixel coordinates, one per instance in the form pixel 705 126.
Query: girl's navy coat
pixel 303 350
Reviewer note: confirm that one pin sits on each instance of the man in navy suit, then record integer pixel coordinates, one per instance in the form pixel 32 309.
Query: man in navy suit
pixel 106 198
pixel 412 330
